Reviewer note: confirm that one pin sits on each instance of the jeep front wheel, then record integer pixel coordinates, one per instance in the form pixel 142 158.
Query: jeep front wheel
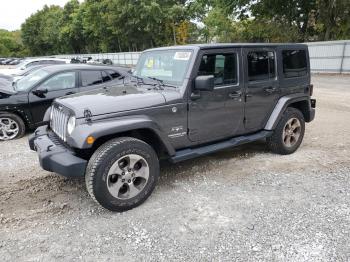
pixel 122 173
pixel 289 133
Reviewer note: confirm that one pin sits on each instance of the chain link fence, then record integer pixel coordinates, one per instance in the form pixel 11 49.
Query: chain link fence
pixel 123 59
pixel 330 57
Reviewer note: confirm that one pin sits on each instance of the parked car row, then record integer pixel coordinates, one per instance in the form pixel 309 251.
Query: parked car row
pixel 28 63
pixel 90 60
pixel 26 97
pixel 10 61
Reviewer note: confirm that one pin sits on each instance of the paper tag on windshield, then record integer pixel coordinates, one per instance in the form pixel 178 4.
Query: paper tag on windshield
pixel 182 56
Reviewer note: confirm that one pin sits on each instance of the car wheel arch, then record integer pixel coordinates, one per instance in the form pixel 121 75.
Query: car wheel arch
pixel 147 135
pixel 298 101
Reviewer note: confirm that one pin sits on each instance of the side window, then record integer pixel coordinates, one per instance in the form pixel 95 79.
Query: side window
pixel 105 77
pixel 222 66
pixel 60 81
pixel 261 66
pixel 89 78
pixel 294 63
pixel 113 74
pixel 35 63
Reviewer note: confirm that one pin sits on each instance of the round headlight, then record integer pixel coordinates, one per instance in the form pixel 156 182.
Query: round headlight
pixel 71 125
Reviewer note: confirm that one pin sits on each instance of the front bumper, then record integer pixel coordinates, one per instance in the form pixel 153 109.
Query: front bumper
pixel 54 156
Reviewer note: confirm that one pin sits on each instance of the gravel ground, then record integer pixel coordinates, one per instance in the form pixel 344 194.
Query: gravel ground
pixel 245 204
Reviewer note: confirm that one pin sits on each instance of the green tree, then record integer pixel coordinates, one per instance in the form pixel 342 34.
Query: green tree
pixel 72 35
pixel 11 44
pixel 333 19
pixel 41 31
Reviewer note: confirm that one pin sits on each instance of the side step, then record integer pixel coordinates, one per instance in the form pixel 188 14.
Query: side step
pixel 189 153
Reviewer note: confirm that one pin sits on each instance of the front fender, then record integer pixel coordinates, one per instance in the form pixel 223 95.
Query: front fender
pixel 107 127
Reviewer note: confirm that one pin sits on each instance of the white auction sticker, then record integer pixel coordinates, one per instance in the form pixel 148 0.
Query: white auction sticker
pixel 182 56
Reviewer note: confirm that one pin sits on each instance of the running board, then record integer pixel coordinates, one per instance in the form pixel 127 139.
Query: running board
pixel 189 153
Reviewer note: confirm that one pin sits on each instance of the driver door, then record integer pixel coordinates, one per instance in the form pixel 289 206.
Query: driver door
pixel 217 114
pixel 58 85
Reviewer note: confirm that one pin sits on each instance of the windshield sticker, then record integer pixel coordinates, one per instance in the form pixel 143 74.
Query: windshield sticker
pixel 182 56
pixel 150 63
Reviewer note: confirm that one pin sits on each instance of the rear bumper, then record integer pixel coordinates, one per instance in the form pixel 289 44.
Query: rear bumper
pixel 54 156
pixel 312 109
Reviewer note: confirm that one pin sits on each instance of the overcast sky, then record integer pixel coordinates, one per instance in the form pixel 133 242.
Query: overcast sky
pixel 14 12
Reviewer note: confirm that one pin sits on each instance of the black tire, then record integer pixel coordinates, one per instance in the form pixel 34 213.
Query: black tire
pixel 19 122
pixel 105 157
pixel 276 142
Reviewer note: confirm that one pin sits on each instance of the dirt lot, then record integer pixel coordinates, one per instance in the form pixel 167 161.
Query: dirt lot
pixel 244 204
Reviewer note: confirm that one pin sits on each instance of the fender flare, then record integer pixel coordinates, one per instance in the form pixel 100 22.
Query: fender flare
pixel 282 105
pixel 101 128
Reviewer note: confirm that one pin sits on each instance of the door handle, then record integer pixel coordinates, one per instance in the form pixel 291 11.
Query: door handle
pixel 195 96
pixel 70 93
pixel 234 95
pixel 270 89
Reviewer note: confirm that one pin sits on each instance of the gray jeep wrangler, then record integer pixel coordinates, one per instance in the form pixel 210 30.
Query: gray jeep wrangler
pixel 180 102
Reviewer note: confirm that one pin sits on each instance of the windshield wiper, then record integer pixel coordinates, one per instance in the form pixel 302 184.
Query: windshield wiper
pixel 161 82
pixel 140 80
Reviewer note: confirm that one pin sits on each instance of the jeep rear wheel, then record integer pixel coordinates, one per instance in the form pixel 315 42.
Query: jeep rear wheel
pixel 289 133
pixel 122 173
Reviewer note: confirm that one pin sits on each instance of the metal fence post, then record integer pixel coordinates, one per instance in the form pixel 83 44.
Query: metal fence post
pixel 342 58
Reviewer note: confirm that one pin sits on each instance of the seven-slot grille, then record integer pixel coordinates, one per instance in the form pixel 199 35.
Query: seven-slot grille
pixel 59 121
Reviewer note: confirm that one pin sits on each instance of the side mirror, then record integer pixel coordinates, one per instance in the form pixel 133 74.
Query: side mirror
pixel 204 83
pixel 40 92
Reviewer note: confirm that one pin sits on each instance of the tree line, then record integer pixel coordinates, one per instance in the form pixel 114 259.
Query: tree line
pixel 134 25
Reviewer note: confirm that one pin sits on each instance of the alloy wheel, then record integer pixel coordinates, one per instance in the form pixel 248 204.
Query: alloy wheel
pixel 128 176
pixel 9 128
pixel 291 132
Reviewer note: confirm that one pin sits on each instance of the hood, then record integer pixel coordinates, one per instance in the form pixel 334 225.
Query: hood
pixel 6 88
pixel 112 100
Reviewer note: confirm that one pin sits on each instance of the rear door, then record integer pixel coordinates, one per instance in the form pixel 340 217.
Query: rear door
pixel 262 87
pixel 295 73
pixel 216 114
pixel 58 85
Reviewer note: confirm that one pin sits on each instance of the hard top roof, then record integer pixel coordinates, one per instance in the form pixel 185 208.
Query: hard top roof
pixel 232 45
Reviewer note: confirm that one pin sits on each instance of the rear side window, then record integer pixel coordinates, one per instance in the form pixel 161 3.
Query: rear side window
pixel 261 65
pixel 105 77
pixel 222 66
pixel 89 78
pixel 113 74
pixel 294 63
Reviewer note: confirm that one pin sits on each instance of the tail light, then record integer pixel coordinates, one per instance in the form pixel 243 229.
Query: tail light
pixel 311 89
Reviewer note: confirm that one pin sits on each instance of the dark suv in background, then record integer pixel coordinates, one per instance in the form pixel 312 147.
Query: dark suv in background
pixel 23 104
pixel 188 101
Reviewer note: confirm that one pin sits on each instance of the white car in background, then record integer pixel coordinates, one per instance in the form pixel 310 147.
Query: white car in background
pixel 32 62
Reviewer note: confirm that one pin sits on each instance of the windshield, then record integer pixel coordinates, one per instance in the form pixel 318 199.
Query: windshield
pixel 169 66
pixel 28 81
